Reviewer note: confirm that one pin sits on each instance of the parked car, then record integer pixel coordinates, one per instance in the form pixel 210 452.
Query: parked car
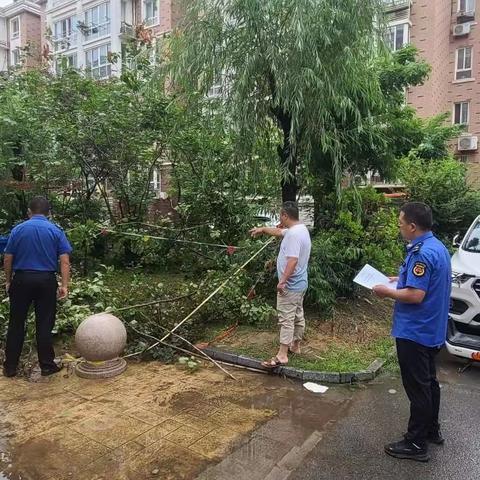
pixel 463 337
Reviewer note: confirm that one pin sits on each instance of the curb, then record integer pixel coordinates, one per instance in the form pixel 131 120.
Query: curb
pixel 297 374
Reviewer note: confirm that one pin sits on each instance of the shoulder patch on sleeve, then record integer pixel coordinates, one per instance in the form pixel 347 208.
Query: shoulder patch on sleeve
pixel 419 269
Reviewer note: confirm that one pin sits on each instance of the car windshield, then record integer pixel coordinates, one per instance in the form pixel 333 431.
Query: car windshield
pixel 472 241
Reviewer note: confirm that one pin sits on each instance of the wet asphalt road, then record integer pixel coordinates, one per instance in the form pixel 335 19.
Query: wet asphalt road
pixel 353 447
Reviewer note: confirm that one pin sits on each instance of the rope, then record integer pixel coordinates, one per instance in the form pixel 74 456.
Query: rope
pixel 229 248
pixel 233 275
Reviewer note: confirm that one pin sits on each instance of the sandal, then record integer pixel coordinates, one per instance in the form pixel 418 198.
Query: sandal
pixel 273 363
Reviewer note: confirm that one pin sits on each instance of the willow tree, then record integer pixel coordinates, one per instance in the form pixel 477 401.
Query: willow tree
pixel 298 65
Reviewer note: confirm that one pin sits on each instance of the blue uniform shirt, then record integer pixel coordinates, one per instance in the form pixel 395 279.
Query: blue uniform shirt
pixel 36 245
pixel 426 267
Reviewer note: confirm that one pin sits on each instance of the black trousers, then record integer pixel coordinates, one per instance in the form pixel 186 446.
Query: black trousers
pixel 419 377
pixel 39 288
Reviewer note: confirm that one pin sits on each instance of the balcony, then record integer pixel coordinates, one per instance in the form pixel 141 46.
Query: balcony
pixel 393 5
pixel 127 31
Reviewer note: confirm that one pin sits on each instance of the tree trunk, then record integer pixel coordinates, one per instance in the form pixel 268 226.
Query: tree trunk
pixel 288 161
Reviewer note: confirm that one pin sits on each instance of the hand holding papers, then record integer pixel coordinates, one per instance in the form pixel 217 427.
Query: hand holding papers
pixel 369 277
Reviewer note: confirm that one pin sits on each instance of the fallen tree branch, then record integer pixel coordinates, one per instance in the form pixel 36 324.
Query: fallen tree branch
pixel 202 353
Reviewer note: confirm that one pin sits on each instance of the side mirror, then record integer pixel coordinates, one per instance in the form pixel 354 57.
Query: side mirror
pixel 457 240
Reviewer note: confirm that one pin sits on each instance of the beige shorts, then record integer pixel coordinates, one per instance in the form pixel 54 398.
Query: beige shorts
pixel 290 316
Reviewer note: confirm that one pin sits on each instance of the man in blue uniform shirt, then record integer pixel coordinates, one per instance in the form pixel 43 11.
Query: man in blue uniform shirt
pixel 31 260
pixel 422 300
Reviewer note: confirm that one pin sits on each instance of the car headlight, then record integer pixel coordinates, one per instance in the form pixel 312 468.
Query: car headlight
pixel 461 277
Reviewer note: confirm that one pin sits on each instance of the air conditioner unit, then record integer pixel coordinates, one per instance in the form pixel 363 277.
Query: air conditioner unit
pixel 467 142
pixel 461 29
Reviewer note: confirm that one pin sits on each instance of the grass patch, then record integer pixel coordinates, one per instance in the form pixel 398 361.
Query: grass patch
pixel 357 334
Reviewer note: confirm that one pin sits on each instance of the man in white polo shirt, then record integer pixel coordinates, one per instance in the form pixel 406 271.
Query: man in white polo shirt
pixel 292 269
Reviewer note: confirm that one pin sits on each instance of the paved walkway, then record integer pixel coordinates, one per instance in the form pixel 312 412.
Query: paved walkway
pixel 353 448
pixel 154 421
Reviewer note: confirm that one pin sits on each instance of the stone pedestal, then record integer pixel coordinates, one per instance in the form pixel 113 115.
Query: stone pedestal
pixel 100 339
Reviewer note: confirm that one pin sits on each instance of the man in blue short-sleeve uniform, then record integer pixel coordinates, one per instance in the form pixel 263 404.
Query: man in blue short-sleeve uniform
pixel 32 255
pixel 422 299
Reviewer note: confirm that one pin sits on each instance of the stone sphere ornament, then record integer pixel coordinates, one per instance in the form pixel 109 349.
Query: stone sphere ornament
pixel 100 339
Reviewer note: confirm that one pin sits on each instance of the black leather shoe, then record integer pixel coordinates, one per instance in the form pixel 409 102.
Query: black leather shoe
pixel 436 438
pixel 9 372
pixel 409 450
pixel 51 371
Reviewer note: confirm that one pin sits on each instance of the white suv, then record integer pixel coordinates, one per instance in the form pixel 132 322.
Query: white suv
pixel 464 327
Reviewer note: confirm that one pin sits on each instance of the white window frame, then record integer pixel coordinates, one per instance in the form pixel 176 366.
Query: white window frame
pixel 72 61
pixel 406 34
pixel 68 37
pixel 462 105
pixel 156 181
pixel 90 59
pixel 102 27
pixel 15 34
pixel 470 6
pixel 16 58
pixel 153 20
pixel 460 70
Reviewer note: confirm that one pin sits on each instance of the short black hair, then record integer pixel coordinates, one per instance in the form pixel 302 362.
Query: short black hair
pixel 39 206
pixel 418 213
pixel 291 209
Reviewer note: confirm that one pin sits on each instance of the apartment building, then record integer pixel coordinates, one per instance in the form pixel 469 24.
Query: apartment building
pixel 83 33
pixel 447 35
pixel 20 34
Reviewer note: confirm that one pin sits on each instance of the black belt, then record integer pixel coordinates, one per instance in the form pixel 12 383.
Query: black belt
pixel 34 271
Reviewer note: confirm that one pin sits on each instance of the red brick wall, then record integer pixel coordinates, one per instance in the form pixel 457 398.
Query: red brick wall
pixel 31 34
pixel 431 33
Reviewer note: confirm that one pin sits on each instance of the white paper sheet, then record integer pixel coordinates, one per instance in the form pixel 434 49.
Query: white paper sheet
pixel 368 277
pixel 315 387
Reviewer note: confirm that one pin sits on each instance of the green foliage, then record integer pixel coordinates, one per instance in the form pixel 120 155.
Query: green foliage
pixel 442 184
pixel 348 241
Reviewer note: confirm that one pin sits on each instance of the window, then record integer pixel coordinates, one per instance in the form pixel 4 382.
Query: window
pixel 97 21
pixel 464 63
pixel 64 36
pixel 463 158
pixel 397 36
pixel 156 181
pixel 97 62
pixel 466 5
pixel 66 61
pixel 472 241
pixel 150 12
pixel 16 58
pixel 14 28
pixel 461 113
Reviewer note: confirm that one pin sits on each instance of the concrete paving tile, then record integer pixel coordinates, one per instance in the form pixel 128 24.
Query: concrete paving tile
pixel 111 429
pixel 89 391
pixel 185 435
pixel 127 450
pixel 216 443
pixel 203 424
pixel 121 401
pixel 201 410
pixel 105 468
pixel 169 462
pixel 157 433
pixel 144 415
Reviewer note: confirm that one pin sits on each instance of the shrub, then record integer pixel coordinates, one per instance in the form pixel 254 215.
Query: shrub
pixel 353 239
pixel 443 185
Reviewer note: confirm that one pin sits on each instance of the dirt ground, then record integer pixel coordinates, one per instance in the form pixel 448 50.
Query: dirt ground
pixel 360 327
